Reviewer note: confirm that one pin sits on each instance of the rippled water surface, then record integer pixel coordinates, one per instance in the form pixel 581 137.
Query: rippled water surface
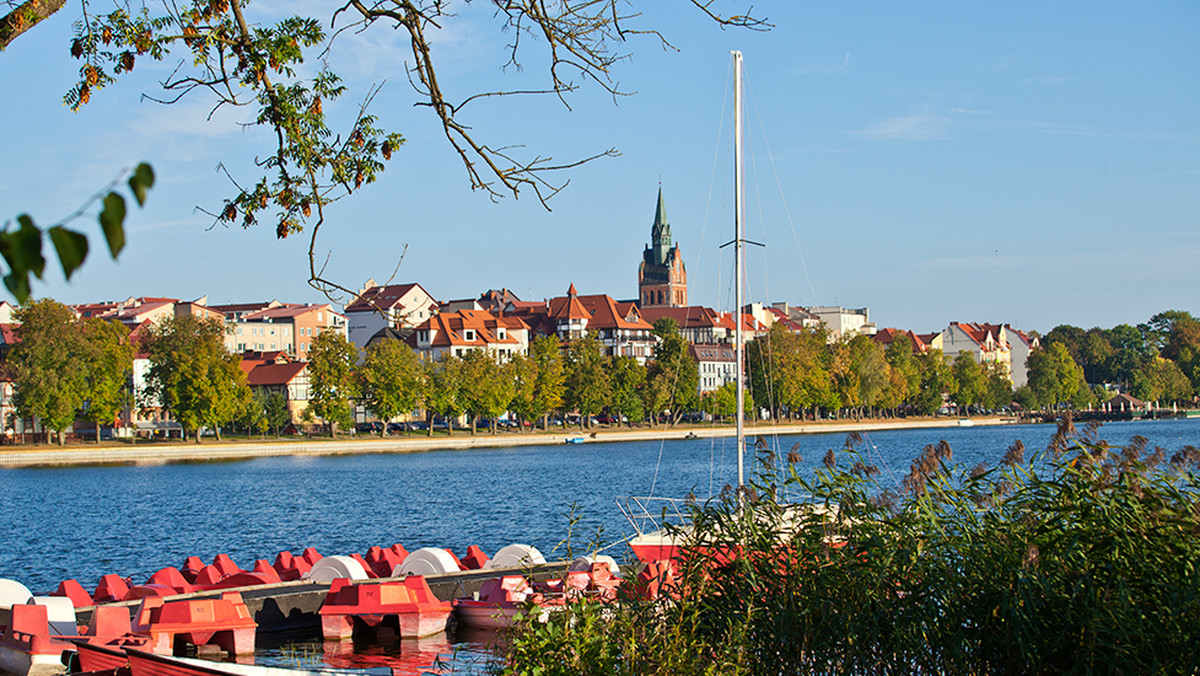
pixel 84 522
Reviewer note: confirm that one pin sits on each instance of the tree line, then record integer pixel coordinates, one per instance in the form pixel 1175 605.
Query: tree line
pixel 1158 360
pixel 65 368
pixel 390 380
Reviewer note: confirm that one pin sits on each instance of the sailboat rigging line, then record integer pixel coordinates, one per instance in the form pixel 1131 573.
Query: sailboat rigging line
pixel 698 257
pixel 882 460
pixel 783 198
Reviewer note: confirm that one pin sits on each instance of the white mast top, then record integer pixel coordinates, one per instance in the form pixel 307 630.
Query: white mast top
pixel 738 262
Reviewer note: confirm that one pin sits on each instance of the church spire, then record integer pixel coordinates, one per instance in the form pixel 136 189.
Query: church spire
pixel 660 234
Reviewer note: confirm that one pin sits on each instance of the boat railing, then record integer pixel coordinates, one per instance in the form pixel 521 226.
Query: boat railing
pixel 647 514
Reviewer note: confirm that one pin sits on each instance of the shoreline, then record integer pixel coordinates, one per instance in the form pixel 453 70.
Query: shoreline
pixel 152 453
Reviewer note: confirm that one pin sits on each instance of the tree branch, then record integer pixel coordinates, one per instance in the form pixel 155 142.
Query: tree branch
pixel 24 17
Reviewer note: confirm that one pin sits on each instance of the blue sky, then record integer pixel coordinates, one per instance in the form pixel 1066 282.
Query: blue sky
pixel 1023 162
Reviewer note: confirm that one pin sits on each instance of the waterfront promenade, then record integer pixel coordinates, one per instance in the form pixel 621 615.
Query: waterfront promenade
pixel 151 453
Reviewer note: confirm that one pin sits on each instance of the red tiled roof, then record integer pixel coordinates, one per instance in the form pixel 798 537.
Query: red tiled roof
pixel 274 374
pixel 603 313
pixel 288 311
pixel 749 323
pixel 449 328
pixel 981 332
pixel 381 297
pixel 886 337
pixel 692 316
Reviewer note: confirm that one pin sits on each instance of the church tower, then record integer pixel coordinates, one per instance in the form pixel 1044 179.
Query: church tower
pixel 662 279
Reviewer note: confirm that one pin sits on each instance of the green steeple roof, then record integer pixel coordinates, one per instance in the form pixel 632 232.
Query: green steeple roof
pixel 662 227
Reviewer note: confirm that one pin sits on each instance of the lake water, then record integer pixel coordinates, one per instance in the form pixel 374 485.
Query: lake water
pixel 85 522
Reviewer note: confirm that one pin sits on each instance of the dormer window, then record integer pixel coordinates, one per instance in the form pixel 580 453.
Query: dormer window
pixel 500 334
pixel 469 334
pixel 423 336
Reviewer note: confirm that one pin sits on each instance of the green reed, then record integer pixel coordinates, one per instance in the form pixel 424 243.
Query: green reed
pixel 1081 558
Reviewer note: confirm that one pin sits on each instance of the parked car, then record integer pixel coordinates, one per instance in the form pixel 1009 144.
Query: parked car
pixel 369 427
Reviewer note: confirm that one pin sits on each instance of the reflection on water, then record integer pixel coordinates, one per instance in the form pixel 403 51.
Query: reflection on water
pixel 465 654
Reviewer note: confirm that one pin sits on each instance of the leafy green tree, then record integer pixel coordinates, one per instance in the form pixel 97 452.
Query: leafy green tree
pixel 628 376
pixel 868 362
pixel 845 378
pixel 276 412
pixel 1055 378
pixel 1157 332
pixel 1025 398
pixel 254 416
pixel 487 388
pixel 997 387
pixel 900 357
pixel 333 384
pixel 50 361
pixel 896 391
pixel 673 374
pixel 524 375
pixel 1095 355
pixel 268 410
pixel 1130 352
pixel 193 375
pixel 588 384
pixel 1071 337
pixel 108 368
pixel 971 380
pixel 1183 347
pixel 937 382
pixel 787 371
pixel 723 402
pixel 546 354
pixel 1161 380
pixel 391 380
pixel 443 386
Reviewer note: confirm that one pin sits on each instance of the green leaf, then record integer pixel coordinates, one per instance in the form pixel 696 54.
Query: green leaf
pixel 72 248
pixel 141 181
pixel 18 285
pixel 22 248
pixel 111 220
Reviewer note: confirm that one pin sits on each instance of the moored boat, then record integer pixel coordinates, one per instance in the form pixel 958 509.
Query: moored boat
pixel 408 606
pixel 27 646
pixel 498 601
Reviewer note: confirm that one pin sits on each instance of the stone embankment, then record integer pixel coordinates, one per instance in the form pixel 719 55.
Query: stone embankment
pixel 147 453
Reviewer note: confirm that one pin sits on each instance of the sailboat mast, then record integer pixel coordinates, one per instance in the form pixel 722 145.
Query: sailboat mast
pixel 738 262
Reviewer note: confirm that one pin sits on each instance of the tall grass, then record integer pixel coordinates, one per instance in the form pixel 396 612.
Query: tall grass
pixel 1081 558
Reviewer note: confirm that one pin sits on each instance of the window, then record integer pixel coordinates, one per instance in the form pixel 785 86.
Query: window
pixel 469 334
